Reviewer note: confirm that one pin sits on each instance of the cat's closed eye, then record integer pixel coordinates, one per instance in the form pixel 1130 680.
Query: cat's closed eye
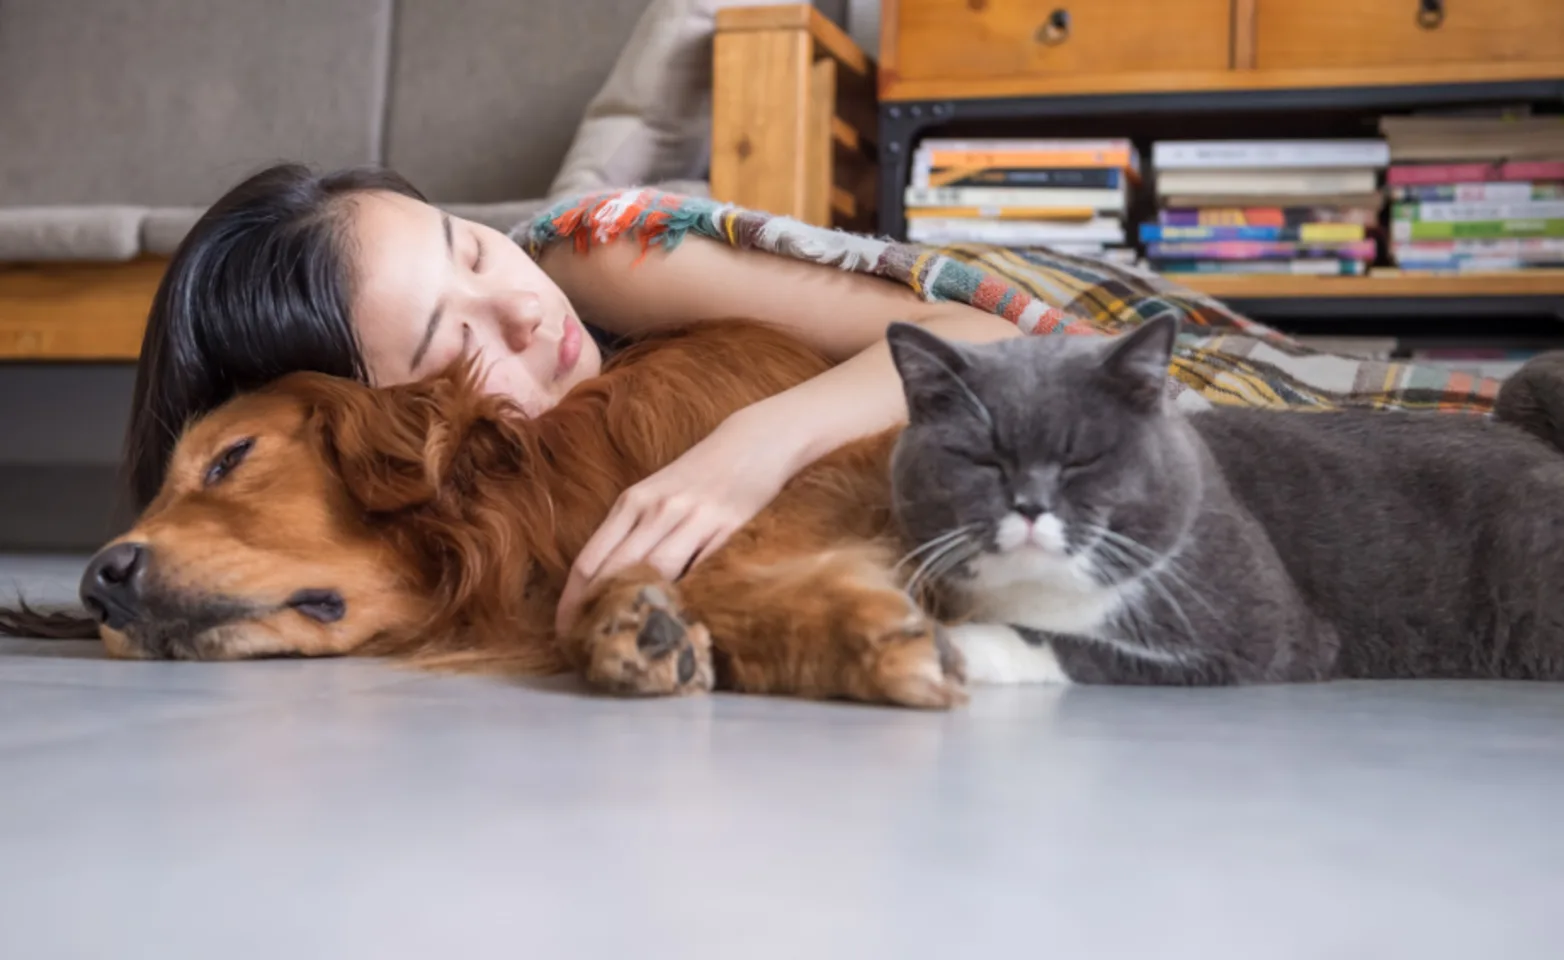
pixel 1079 462
pixel 982 459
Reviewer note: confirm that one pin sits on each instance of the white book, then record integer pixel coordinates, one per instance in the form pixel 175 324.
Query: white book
pixel 1058 198
pixel 1262 154
pixel 1100 230
pixel 1266 182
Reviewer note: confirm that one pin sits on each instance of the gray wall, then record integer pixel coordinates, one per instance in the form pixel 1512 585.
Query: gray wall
pixel 61 427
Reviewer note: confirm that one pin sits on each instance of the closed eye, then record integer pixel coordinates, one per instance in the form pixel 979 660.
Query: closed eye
pixel 985 460
pixel 479 255
pixel 1084 462
pixel 227 461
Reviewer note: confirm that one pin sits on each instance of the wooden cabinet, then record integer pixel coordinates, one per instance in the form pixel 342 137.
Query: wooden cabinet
pixel 1000 38
pixel 947 49
pixel 1372 33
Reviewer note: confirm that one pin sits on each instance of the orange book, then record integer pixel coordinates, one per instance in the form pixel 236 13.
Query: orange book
pixel 1118 158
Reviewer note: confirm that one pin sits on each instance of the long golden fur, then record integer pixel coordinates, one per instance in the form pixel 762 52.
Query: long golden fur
pixel 447 523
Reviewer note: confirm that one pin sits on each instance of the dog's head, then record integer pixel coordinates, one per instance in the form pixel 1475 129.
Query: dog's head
pixel 302 520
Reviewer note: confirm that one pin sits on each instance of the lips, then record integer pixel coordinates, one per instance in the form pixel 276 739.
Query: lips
pixel 569 348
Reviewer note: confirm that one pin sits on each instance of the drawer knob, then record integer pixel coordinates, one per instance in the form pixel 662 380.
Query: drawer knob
pixel 1430 14
pixel 1055 30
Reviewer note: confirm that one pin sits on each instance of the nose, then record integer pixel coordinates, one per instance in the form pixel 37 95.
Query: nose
pixel 520 317
pixel 111 587
pixel 1030 510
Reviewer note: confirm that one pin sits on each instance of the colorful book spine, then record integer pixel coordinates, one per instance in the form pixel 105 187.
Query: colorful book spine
pixel 1496 192
pixel 1036 197
pixel 1307 233
pixel 1466 212
pixel 1542 247
pixel 1322 267
pixel 1247 250
pixel 1410 174
pixel 1098 178
pixel 1475 229
pixel 1066 214
pixel 1119 154
pixel 1478 264
pixel 1263 216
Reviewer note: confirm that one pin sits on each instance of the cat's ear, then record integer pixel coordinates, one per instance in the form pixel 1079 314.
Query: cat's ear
pixel 1137 362
pixel 931 371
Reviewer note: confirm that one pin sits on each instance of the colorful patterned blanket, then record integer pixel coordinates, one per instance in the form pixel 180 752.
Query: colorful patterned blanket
pixel 1222 357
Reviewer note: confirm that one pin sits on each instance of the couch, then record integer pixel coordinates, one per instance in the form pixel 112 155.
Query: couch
pixel 120 121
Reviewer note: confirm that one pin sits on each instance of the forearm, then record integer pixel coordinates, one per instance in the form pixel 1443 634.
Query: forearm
pixel 862 395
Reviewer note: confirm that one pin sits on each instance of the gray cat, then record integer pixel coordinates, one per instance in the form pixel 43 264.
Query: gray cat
pixel 1051 487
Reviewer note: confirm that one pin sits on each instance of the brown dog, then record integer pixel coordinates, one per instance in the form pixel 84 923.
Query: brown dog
pixel 436 525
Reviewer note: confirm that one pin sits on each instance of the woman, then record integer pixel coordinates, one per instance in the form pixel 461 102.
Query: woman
pixel 354 274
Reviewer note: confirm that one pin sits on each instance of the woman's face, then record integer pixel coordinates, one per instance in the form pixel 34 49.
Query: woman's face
pixel 429 288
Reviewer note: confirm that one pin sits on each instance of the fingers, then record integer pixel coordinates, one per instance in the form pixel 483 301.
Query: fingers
pixel 678 550
pixel 638 524
pixel 569 604
pixel 669 551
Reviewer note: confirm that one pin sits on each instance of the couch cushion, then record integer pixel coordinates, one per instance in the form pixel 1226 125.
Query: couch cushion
pixel 486 94
pixel 651 120
pixel 165 102
pixel 164 227
pixel 37 234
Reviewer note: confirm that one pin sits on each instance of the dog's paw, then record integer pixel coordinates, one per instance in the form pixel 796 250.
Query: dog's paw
pixel 644 647
pixel 913 664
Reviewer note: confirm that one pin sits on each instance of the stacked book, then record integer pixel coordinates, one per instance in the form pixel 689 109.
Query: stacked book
pixel 1067 195
pixel 1265 206
pixel 1476 194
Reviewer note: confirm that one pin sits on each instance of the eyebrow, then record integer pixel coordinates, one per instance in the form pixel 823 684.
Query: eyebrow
pixel 439 308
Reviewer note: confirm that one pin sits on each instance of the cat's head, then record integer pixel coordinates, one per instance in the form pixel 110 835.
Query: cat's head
pixel 1042 458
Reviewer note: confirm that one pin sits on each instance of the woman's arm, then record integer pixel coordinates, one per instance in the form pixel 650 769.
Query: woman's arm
pixel 836 312
pixel 689 508
pixel 843 315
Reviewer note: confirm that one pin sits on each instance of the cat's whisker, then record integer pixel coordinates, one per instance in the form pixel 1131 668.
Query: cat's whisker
pixel 1178 608
pixel 915 582
pixel 1150 577
pixel 952 560
pixel 936 567
pixel 935 542
pixel 1157 566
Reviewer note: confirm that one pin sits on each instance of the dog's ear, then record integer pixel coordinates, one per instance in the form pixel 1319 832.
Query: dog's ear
pixel 392 447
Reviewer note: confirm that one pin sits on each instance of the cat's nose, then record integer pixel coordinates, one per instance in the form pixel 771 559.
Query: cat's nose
pixel 1029 510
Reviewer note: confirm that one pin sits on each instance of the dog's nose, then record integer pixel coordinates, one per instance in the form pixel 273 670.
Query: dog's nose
pixel 111 587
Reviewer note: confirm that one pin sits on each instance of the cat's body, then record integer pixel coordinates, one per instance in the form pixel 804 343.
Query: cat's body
pixel 1230 546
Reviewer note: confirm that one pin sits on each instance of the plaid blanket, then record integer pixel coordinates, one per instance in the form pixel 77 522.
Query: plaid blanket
pixel 1222 357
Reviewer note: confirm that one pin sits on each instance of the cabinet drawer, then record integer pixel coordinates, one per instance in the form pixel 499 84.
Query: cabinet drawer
pixel 1376 33
pixel 979 39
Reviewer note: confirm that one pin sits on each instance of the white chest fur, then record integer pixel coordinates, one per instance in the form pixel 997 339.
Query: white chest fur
pixel 1043 592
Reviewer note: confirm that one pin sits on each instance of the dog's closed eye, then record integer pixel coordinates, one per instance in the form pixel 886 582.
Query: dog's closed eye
pixel 322 606
pixel 227 461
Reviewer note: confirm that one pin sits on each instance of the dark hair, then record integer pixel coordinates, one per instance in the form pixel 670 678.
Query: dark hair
pixel 259 288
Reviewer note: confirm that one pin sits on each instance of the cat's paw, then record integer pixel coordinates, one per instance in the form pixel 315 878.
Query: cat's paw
pixel 642 646
pixel 998 654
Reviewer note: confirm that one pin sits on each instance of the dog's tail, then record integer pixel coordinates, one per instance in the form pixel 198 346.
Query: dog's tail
pixel 1532 398
pixel 25 621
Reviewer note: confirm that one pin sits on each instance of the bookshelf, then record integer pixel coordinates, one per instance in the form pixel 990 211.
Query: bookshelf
pixel 1384 283
pixel 970 69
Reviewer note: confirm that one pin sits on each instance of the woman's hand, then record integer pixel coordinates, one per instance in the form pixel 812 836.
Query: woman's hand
pixel 684 512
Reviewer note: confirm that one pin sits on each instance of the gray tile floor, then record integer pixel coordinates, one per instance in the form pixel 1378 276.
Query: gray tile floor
pixel 346 809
